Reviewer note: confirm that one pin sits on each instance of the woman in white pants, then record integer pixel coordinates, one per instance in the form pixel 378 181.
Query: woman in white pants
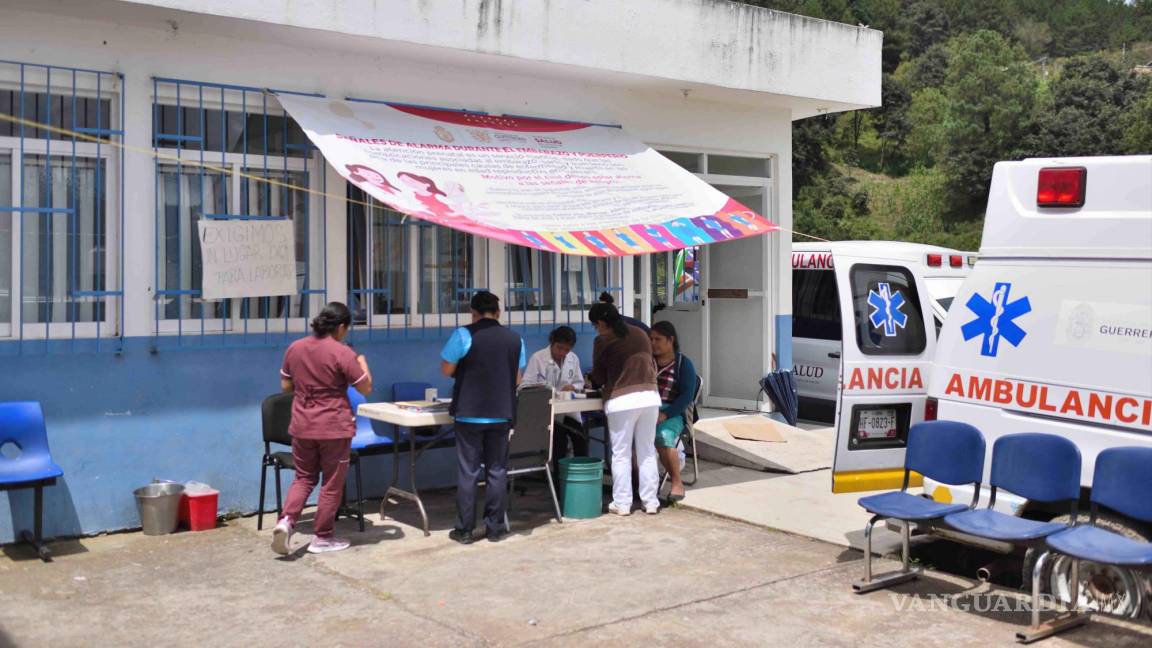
pixel 623 368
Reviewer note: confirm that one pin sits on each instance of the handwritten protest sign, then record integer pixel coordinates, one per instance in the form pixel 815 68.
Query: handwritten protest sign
pixel 248 258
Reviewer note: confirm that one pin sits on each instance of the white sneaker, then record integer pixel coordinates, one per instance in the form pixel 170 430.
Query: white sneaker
pixel 282 536
pixel 612 508
pixel 325 545
pixel 651 509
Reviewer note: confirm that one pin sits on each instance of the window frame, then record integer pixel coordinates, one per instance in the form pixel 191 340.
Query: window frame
pixel 916 318
pixel 107 327
pixel 166 92
pixel 413 271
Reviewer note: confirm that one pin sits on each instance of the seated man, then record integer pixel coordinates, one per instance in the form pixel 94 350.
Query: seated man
pixel 559 368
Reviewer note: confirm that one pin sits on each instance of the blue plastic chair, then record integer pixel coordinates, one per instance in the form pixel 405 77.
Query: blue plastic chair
pixel 1122 482
pixel 1038 467
pixel 30 465
pixel 946 451
pixel 365 443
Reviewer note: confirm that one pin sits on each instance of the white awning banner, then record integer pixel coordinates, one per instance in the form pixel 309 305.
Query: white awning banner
pixel 565 187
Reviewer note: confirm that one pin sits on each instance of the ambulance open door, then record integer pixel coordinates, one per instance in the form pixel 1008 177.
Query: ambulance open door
pixel 888 343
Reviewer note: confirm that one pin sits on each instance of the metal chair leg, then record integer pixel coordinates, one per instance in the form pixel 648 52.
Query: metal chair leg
pixel 359 496
pixel 691 431
pixel 1065 621
pixel 508 502
pixel 279 500
pixel 38 514
pixel 905 547
pixel 1074 590
pixel 555 500
pixel 36 537
pixel 1037 572
pixel 870 583
pixel 263 486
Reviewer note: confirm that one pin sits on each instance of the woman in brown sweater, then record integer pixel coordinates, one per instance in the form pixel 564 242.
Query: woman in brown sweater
pixel 622 366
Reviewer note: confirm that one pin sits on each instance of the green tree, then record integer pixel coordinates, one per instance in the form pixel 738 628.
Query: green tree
pixel 810 141
pixel 892 123
pixel 834 207
pixel 1089 99
pixel 927 113
pixel 927 70
pixel 976 15
pixel 926 23
pixel 1137 124
pixel 991 91
pixel 1034 35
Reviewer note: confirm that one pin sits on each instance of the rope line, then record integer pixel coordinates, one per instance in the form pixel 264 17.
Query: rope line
pixel 158 155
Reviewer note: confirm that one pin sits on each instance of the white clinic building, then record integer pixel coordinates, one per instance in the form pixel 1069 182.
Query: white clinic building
pixel 108 107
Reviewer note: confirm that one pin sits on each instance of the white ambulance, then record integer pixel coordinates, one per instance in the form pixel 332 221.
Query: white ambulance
pixel 821 320
pixel 1051 332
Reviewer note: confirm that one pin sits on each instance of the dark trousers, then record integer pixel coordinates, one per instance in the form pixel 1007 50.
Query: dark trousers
pixel 563 429
pixel 313 458
pixel 485 443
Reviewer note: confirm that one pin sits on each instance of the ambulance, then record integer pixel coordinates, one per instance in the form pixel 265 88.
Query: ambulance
pixel 825 311
pixel 1051 332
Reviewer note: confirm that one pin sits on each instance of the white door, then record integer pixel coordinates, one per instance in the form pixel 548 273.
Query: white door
pixel 738 331
pixel 888 342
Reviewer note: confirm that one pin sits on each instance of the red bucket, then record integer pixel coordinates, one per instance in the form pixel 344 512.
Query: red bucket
pixel 198 510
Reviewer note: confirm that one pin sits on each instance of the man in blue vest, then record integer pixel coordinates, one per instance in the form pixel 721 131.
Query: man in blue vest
pixel 486 360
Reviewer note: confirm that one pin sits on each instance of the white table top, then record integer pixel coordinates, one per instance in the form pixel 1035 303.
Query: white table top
pixel 390 413
pixel 574 405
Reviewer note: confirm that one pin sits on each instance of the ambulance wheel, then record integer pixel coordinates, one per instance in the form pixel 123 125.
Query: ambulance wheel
pixel 1103 588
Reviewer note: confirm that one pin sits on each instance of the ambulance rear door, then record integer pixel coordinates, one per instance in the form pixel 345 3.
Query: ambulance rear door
pixel 888 342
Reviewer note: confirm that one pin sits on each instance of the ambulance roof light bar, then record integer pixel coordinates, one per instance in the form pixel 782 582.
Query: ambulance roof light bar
pixel 935 260
pixel 956 260
pixel 1061 187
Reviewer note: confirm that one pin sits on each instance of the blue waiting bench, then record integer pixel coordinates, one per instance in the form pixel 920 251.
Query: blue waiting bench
pixel 1040 467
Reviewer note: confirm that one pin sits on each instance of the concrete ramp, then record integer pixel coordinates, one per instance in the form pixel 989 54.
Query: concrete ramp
pixel 799 451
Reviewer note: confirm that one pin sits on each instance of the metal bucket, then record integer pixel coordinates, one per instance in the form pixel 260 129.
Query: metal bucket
pixel 159 507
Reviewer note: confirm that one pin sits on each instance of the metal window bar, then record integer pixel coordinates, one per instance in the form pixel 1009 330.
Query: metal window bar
pixel 582 280
pixel 419 292
pixel 377 276
pixel 531 278
pixel 79 304
pixel 247 152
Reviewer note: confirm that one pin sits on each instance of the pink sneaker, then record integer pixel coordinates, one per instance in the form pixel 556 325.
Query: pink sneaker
pixel 282 536
pixel 324 545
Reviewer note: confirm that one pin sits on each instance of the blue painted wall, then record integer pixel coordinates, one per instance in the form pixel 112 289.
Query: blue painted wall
pixel 115 422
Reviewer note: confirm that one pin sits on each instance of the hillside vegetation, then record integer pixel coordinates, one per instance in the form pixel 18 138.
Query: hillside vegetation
pixel 967 83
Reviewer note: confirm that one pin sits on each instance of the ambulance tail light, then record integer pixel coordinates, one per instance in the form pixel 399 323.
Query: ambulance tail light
pixel 930 407
pixel 1061 187
pixel 956 261
pixel 935 260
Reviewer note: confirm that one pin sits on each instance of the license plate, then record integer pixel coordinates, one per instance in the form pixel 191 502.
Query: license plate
pixel 876 424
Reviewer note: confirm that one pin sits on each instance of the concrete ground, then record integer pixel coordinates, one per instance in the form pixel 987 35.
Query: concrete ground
pixel 680 578
pixel 801 504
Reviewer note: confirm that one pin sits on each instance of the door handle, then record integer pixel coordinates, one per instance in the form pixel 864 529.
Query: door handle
pixel 834 355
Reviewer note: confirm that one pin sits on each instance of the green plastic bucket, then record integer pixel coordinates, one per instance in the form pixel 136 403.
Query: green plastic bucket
pixel 581 480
